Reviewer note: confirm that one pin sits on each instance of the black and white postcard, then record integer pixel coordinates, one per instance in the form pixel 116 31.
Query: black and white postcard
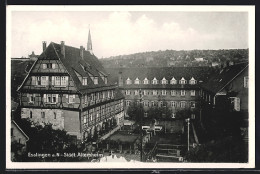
pixel 130 87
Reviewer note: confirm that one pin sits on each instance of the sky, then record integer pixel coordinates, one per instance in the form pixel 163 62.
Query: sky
pixel 126 32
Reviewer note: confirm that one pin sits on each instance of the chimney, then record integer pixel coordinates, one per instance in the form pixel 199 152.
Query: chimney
pixel 44 43
pixel 62 48
pixel 81 51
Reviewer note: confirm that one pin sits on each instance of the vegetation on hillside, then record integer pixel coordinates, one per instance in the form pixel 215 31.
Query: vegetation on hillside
pixel 176 58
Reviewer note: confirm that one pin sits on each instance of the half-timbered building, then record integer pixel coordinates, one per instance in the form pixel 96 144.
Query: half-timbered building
pixel 69 88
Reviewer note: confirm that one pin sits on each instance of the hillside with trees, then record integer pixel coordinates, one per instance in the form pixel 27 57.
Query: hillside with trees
pixel 177 58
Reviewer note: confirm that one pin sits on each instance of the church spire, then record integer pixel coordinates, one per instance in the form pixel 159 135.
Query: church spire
pixel 89 44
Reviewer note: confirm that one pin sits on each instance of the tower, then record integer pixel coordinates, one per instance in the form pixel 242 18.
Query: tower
pixel 89 44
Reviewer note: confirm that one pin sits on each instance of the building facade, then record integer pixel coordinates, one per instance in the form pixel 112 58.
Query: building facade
pixel 229 87
pixel 69 88
pixel 174 87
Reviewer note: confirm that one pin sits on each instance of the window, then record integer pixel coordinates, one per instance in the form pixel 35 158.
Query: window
pixel 57 80
pixel 128 81
pixel 30 114
pixel 44 66
pixel 193 81
pixel 49 65
pixel 112 94
pixel 154 81
pixel 192 92
pixel 136 92
pixel 128 92
pixel 145 114
pixel 52 98
pixel 183 92
pixel 95 80
pixel 71 98
pixel 183 104
pixel 173 81
pixel 174 104
pixel 127 103
pixel 85 81
pixel 31 98
pixel 12 131
pixel 183 81
pixel 154 92
pixel 108 94
pixel 38 80
pixel 42 114
pixel 55 115
pixel 163 92
pixel 137 81
pixel 145 92
pixel 146 81
pixel 164 81
pixel 44 80
pixel 152 103
pixel 193 116
pixel 64 80
pixel 173 92
pixel 192 104
pixel 246 82
pixel 160 103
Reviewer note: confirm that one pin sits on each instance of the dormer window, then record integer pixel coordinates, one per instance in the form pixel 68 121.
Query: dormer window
pixel 85 81
pixel 183 81
pixel 154 81
pixel 193 81
pixel 137 81
pixel 95 80
pixel 128 81
pixel 146 81
pixel 173 81
pixel 164 81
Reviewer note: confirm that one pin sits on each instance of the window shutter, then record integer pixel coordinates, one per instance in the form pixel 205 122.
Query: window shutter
pixel 237 104
pixel 47 80
pixel 67 80
pixel 74 98
pixel 53 80
pixel 33 80
pixel 44 98
pixel 57 98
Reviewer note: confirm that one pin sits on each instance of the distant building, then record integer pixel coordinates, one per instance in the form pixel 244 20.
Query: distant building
pixel 176 88
pixel 69 88
pixel 33 57
pixel 199 59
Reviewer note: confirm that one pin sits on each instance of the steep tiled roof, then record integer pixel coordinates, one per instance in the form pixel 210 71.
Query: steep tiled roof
pixel 198 73
pixel 73 63
pixel 220 79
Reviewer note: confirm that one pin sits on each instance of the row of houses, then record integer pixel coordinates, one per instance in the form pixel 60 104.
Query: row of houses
pixel 69 87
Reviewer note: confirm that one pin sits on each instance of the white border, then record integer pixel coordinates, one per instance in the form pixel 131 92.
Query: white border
pixel 85 165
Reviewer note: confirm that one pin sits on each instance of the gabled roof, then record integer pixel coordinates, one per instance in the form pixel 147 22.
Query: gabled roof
pixel 74 63
pixel 222 78
pixel 19 128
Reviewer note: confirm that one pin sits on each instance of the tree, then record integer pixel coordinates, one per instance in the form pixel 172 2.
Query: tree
pixel 225 149
pixel 43 139
pixel 135 111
